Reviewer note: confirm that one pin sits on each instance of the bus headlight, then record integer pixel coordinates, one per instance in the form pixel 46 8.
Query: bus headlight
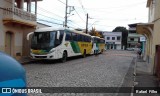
pixel 51 51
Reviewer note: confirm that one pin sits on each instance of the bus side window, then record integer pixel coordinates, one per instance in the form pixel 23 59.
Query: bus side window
pixel 85 38
pixel 88 39
pixel 82 38
pixel 78 37
pixel 68 36
pixel 61 35
pixel 59 41
pixel 74 35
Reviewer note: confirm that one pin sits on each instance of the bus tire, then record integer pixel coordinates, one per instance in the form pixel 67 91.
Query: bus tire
pixel 64 57
pixel 102 51
pixel 84 54
pixel 94 52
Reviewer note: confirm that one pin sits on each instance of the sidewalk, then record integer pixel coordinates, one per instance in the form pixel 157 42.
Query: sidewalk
pixel 25 60
pixel 143 78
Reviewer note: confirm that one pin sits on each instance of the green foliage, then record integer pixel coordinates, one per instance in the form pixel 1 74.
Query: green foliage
pixel 96 33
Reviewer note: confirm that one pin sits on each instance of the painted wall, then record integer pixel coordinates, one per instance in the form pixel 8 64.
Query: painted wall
pixel 156 32
pixel 1 31
pixel 157 10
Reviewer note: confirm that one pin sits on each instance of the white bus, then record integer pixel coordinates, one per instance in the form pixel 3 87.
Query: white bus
pixel 50 43
pixel 98 45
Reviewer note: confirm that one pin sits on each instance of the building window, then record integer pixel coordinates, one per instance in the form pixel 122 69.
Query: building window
pixel 131 39
pixel 108 38
pixel 118 38
pixel 113 38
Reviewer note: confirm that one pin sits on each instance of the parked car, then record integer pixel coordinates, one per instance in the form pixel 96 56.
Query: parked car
pixel 12 75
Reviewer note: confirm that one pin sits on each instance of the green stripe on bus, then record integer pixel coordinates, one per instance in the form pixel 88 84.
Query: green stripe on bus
pixel 97 45
pixel 75 47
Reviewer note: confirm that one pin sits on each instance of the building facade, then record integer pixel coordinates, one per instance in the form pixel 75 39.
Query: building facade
pixel 113 40
pixel 15 23
pixel 151 30
pixel 133 37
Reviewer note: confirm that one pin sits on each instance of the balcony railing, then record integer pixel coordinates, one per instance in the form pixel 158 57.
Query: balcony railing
pixel 19 15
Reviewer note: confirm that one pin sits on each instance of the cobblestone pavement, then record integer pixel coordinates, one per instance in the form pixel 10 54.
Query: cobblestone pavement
pixel 105 70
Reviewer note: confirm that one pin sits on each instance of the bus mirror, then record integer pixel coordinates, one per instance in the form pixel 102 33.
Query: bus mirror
pixel 29 35
pixel 58 34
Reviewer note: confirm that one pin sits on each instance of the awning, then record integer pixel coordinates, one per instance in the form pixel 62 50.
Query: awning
pixel 145 28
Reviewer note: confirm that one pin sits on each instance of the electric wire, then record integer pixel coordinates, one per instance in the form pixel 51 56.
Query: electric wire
pixel 82 7
pixel 62 2
pixel 79 15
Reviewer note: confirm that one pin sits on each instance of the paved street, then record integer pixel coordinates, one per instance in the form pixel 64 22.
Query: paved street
pixel 105 70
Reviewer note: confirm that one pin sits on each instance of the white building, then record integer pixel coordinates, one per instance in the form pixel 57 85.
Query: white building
pixel 113 40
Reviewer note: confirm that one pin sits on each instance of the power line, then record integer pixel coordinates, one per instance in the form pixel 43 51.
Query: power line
pixel 79 16
pixel 37 13
pixel 75 24
pixel 44 10
pixel 49 21
pixel 72 25
pixel 62 2
pixel 39 19
pixel 82 7
pixel 119 8
pixel 14 12
pixel 49 17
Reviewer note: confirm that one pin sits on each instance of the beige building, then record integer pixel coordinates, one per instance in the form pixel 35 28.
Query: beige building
pixel 152 31
pixel 15 23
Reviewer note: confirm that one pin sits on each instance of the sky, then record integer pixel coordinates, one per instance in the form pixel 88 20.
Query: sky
pixel 104 15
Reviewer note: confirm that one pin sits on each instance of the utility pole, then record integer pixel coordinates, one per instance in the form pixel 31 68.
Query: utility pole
pixel 65 23
pixel 87 24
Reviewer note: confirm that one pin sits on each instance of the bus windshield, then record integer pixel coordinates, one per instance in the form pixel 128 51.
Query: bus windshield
pixel 43 40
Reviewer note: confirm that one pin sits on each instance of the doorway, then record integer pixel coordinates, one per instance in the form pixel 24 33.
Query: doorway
pixel 9 43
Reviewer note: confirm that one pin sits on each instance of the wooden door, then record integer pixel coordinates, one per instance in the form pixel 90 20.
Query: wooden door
pixel 8 41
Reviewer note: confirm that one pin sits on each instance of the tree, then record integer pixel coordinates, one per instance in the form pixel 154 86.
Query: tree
pixel 96 33
pixel 124 34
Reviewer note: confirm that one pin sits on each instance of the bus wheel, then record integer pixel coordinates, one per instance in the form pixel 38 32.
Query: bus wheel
pixel 64 57
pixel 101 51
pixel 94 52
pixel 84 54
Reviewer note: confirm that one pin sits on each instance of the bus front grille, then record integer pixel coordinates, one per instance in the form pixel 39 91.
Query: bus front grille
pixel 40 56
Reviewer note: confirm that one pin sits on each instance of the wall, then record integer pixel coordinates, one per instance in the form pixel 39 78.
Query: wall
pixel 26 43
pixel 151 12
pixel 156 41
pixel 157 10
pixel 1 31
pixel 156 34
pixel 17 38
